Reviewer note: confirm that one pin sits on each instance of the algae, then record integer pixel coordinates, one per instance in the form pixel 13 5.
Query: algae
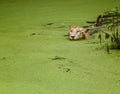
pixel 36 57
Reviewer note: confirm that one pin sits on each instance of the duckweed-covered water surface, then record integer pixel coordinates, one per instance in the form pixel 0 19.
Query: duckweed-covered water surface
pixel 36 56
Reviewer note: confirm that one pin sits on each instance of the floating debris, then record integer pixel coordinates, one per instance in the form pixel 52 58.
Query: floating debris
pixel 57 58
pixel 49 23
pixel 32 34
pixel 68 70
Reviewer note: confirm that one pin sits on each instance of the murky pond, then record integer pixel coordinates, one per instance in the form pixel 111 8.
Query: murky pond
pixel 36 56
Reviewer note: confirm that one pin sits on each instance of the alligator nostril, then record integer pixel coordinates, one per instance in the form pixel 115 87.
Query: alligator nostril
pixel 72 37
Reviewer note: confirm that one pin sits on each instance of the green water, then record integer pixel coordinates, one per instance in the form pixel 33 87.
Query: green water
pixel 37 58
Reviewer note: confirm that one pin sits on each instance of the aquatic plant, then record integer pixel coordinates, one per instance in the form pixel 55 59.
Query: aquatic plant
pixel 115 35
pixel 112 21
